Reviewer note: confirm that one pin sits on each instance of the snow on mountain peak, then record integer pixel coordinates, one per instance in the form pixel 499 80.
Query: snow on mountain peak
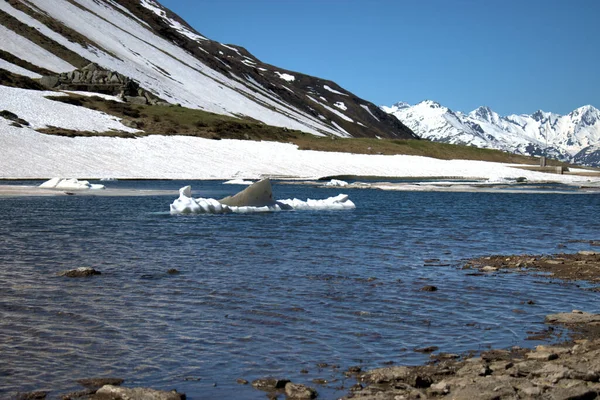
pixel 587 115
pixel 484 113
pixel 401 104
pixel 395 107
pixel 542 133
pixel 430 103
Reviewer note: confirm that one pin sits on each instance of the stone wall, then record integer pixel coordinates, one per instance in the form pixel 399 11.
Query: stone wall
pixel 93 78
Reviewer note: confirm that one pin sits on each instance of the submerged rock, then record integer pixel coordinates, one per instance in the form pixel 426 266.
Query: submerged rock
pixel 121 393
pixel 96 383
pixel 39 395
pixel 80 272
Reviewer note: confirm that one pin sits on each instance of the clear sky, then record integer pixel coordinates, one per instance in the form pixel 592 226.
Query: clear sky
pixel 515 56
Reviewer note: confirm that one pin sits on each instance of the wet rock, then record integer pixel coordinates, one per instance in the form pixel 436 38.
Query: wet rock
pixel 577 317
pixel 97 383
pixel 80 272
pixel 121 393
pixel 79 394
pixel 384 375
pixel 242 381
pixel 269 384
pixel 588 253
pixel 173 271
pixel 541 356
pixel 356 388
pixel 38 395
pixel 320 381
pixel 354 369
pixel 299 391
pixel 428 349
pixel 428 288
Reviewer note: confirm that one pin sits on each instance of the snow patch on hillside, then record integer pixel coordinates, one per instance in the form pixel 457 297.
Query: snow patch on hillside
pixel 25 49
pixel 286 77
pixel 15 69
pixel 40 112
pixel 326 87
pixel 366 107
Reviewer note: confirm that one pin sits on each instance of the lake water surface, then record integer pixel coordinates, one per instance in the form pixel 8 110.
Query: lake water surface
pixel 269 294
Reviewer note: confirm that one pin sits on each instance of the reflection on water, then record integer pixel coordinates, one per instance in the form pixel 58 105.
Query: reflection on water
pixel 268 294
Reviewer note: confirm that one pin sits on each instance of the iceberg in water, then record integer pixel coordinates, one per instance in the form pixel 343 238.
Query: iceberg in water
pixel 256 198
pixel 69 184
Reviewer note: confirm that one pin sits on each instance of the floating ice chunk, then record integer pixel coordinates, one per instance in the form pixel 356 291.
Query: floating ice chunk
pixel 336 182
pixel 339 202
pixel 238 182
pixel 69 184
pixel 186 204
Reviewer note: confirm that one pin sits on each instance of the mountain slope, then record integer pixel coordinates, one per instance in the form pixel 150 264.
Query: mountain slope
pixel 574 137
pixel 165 56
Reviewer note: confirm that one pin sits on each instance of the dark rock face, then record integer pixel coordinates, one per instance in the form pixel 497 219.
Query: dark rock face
pixel 93 78
pixel 588 156
pixel 301 92
pixel 429 288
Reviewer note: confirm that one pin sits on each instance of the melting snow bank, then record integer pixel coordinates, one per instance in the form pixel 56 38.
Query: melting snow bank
pixel 185 204
pixel 238 182
pixel 69 184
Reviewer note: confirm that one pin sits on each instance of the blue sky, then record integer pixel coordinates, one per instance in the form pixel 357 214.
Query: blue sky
pixel 515 56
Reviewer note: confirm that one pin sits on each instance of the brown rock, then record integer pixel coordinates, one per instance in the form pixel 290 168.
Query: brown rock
pixel 269 384
pixel 573 318
pixel 121 393
pixel 298 391
pixel 80 272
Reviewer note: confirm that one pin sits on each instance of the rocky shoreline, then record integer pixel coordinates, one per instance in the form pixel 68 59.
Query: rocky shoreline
pixel 568 370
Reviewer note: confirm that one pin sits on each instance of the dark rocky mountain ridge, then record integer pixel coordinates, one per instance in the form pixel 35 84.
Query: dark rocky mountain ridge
pixel 329 109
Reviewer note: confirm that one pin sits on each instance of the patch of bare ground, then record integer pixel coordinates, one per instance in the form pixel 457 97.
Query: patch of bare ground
pixel 18 81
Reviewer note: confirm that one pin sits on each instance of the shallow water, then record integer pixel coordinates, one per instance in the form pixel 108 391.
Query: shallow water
pixel 270 293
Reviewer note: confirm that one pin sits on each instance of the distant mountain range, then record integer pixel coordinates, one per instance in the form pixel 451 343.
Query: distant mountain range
pixel 574 137
pixel 155 48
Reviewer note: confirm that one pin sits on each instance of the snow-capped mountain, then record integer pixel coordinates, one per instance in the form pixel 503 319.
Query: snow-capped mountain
pixel 149 44
pixel 573 137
